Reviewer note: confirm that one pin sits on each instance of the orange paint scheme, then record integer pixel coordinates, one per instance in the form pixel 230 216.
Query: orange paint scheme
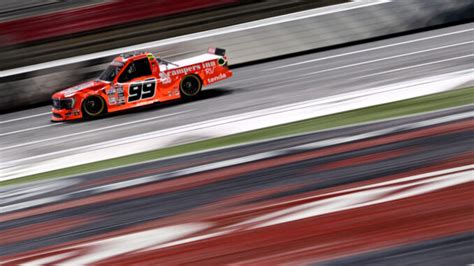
pixel 138 80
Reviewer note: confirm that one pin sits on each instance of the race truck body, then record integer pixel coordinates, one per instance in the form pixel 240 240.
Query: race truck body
pixel 140 79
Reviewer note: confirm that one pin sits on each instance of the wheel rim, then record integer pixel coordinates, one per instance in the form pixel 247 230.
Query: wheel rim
pixel 93 106
pixel 190 86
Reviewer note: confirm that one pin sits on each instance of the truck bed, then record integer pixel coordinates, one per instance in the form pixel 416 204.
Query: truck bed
pixel 190 61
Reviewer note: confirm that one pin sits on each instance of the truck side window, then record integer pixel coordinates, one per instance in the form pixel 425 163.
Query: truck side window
pixel 136 69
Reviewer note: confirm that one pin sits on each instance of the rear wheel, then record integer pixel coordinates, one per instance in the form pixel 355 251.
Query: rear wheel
pixel 93 106
pixel 190 86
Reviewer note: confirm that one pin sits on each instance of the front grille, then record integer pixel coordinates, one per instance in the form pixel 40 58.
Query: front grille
pixel 57 115
pixel 63 104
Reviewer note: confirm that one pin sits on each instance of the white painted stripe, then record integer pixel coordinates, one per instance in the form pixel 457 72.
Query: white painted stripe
pixel 231 125
pixel 426 123
pixel 26 130
pixel 24 117
pixel 94 252
pixel 415 66
pixel 91 131
pixel 255 142
pixel 385 58
pixel 49 260
pixel 200 35
pixel 365 198
pixel 390 182
pixel 272 154
pixel 355 189
pixel 372 49
pixel 248 159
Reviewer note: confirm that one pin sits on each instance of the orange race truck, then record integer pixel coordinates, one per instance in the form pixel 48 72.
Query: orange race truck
pixel 139 79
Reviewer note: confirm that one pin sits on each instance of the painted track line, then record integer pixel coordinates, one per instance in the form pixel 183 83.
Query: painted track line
pixel 238 161
pixel 230 125
pixel 386 58
pixel 23 118
pixel 415 66
pixel 325 58
pixel 91 131
pixel 371 49
pixel 26 130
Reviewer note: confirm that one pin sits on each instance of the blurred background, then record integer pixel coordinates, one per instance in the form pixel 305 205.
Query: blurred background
pixel 344 137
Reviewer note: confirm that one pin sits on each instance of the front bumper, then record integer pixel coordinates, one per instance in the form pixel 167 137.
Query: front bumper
pixel 65 114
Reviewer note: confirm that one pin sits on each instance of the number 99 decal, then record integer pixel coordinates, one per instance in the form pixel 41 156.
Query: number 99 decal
pixel 142 90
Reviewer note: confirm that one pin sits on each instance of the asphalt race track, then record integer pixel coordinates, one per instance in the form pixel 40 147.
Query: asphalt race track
pixel 400 196
pixel 29 133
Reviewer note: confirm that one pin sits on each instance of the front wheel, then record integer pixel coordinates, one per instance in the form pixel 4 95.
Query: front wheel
pixel 93 106
pixel 190 86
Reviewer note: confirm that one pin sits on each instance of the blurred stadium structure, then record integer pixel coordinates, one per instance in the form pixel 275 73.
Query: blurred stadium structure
pixel 312 29
pixel 27 21
pixel 105 25
pixel 339 185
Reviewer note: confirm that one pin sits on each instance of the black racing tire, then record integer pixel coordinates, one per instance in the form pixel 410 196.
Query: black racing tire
pixel 190 86
pixel 93 106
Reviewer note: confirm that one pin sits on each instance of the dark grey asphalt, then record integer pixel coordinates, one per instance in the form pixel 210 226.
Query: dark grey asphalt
pixel 253 88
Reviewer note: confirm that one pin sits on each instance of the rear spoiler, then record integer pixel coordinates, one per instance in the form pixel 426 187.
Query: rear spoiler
pixel 216 51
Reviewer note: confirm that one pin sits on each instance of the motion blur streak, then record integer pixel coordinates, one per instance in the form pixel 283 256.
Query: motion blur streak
pixel 91 17
pixel 397 192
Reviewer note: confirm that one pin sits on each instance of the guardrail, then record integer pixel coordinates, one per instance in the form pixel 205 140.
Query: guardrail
pixel 245 42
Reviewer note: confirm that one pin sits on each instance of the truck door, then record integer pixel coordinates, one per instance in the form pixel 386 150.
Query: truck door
pixel 139 84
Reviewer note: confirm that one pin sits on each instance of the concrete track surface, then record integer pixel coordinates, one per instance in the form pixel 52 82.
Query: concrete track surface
pixel 29 133
pixel 400 198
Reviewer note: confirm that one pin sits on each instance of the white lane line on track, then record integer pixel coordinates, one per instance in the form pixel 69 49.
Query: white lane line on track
pixel 371 49
pixel 26 130
pixel 385 58
pixel 264 74
pixel 92 130
pixel 238 161
pixel 415 66
pixel 274 153
pixel 308 61
pixel 199 35
pixel 251 115
pixel 23 118
pixel 330 57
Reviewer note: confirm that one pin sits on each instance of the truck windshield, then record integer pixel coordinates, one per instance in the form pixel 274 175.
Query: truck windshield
pixel 112 71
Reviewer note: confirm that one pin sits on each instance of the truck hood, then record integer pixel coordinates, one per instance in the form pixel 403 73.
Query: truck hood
pixel 89 86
